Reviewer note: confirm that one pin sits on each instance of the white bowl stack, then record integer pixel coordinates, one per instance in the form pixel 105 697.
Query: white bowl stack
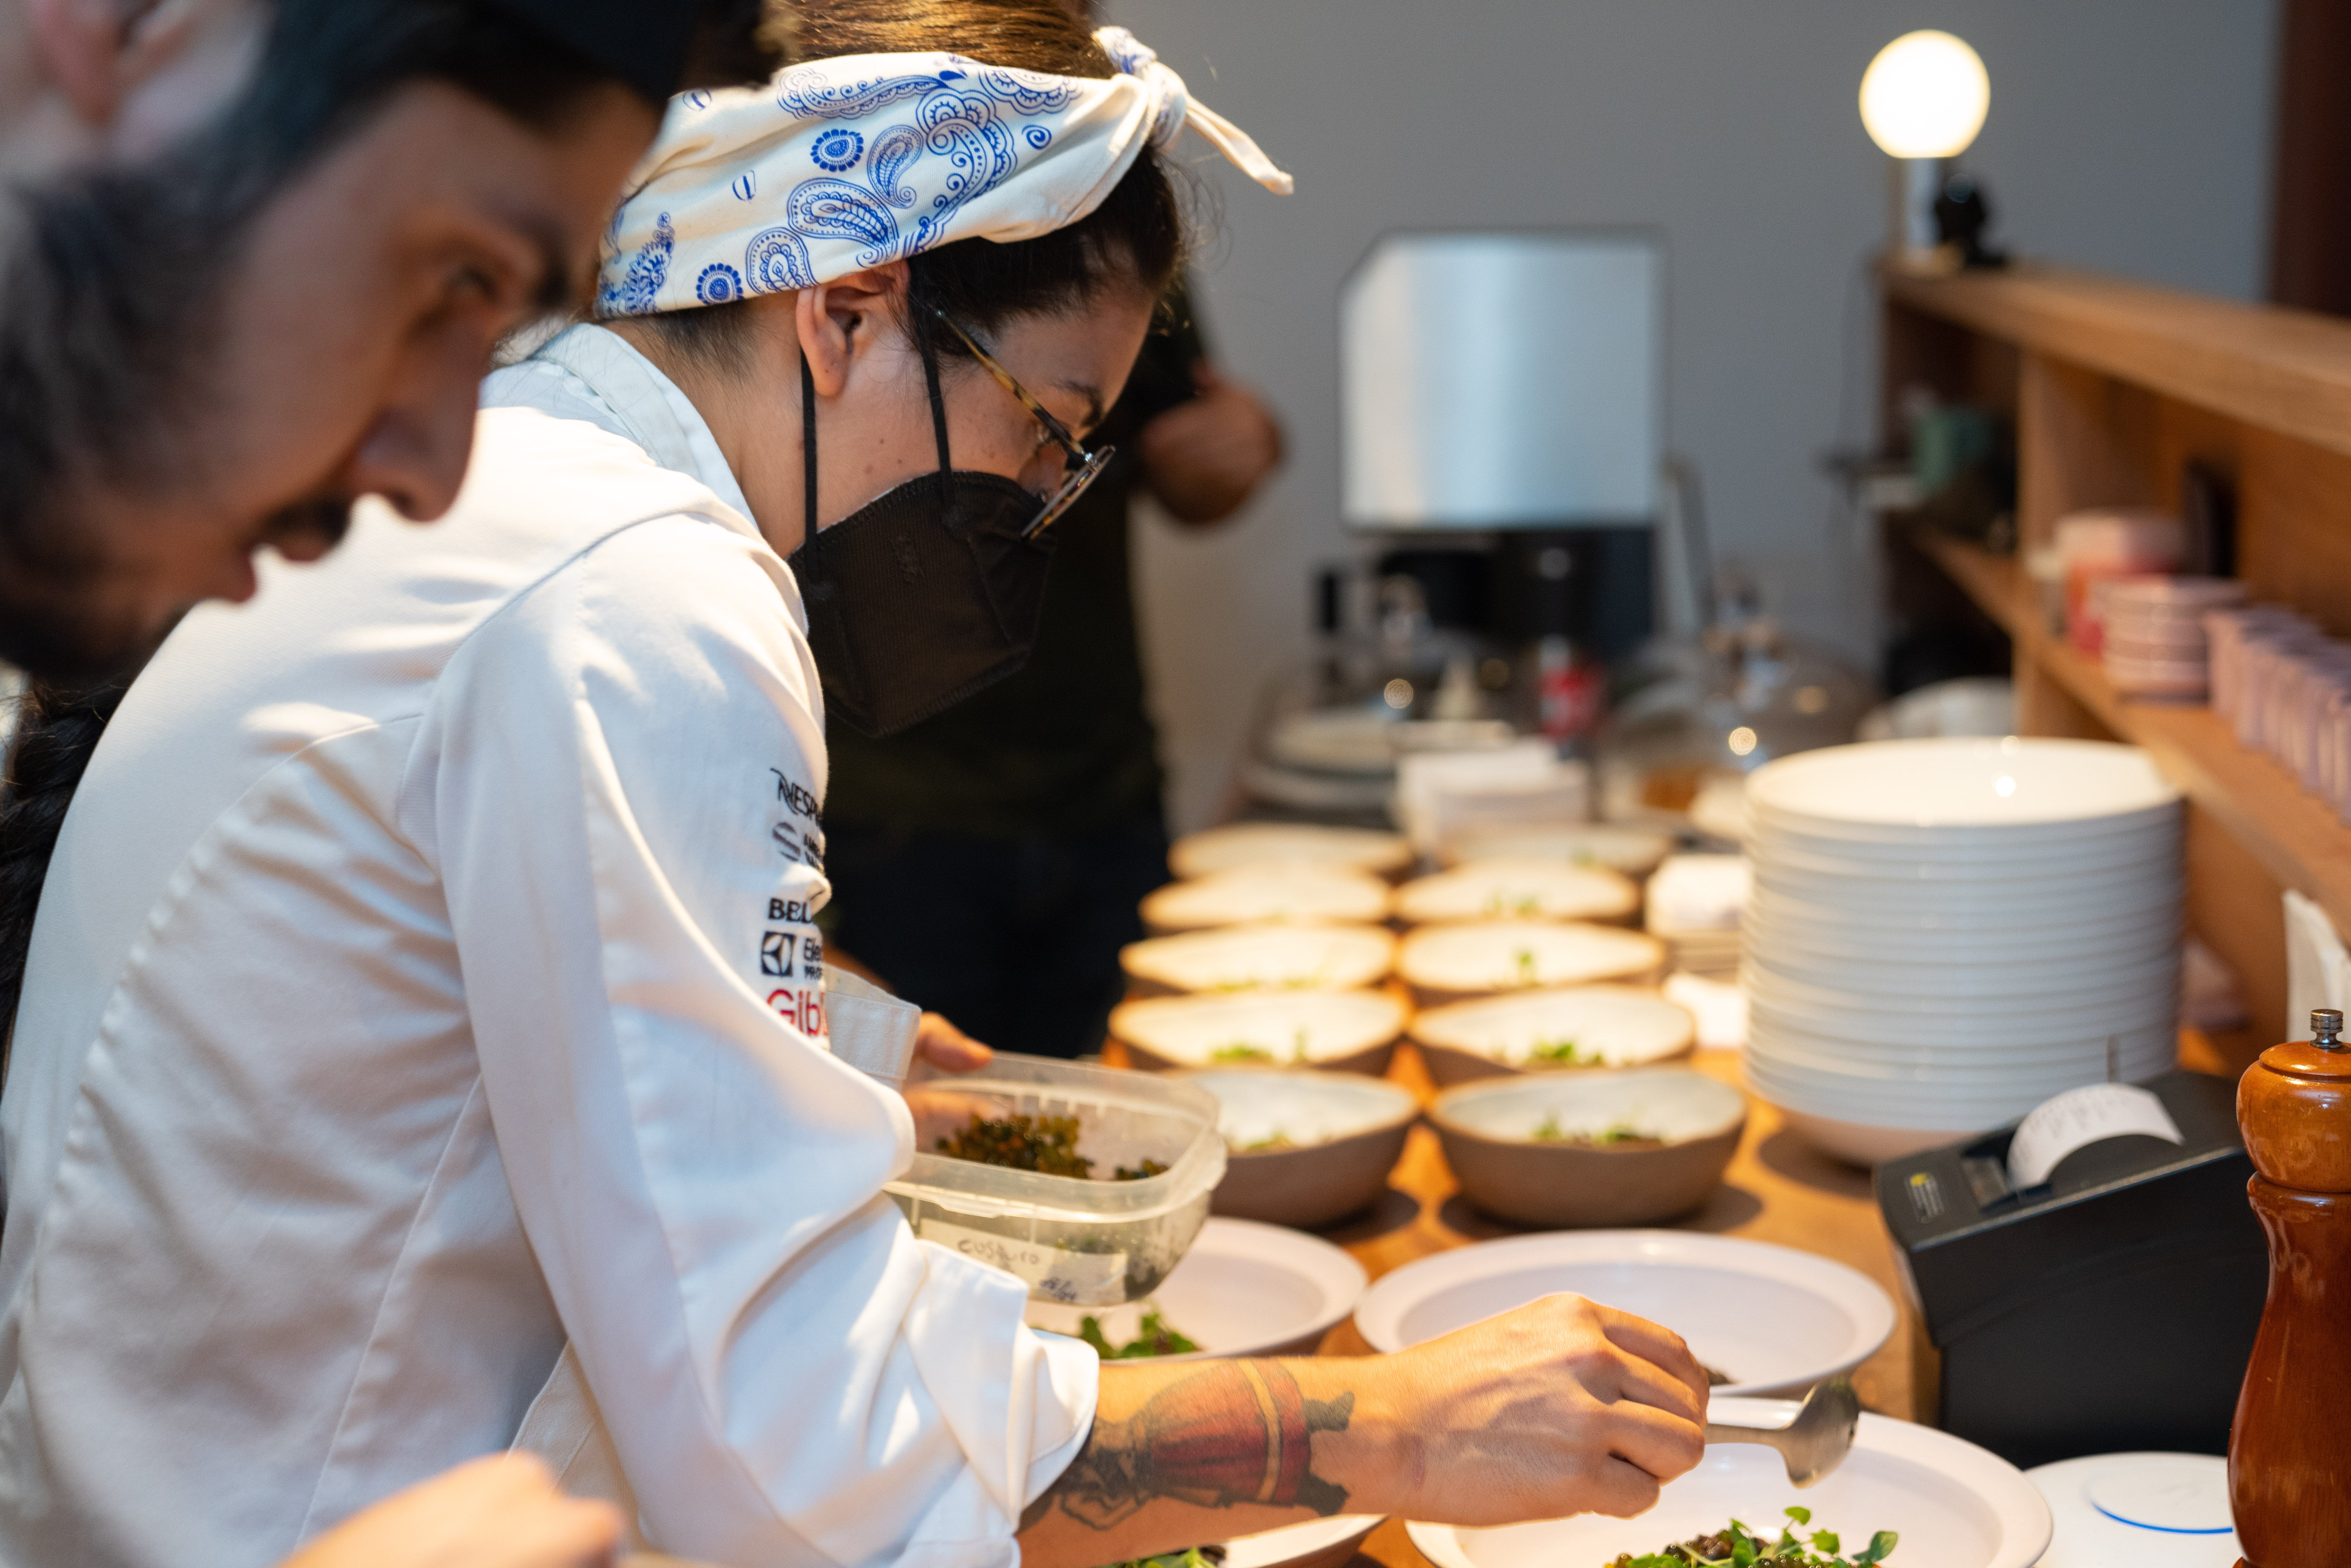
pixel 1945 933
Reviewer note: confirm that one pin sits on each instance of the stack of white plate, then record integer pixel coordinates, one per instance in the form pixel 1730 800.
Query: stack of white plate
pixel 1945 933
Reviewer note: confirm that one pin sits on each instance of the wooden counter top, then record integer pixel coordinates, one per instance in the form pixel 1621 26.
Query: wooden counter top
pixel 1778 1188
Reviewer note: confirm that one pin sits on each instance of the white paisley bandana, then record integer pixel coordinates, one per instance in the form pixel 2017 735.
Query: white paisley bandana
pixel 842 164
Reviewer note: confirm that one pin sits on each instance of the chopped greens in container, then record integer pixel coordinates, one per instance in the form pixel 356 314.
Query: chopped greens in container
pixel 1548 1131
pixel 1738 1547
pixel 1143 1172
pixel 1046 1145
pixel 1156 1339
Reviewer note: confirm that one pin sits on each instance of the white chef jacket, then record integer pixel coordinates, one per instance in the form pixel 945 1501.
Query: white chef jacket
pixel 424 975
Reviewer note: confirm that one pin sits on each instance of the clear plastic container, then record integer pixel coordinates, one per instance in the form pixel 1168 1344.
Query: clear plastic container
pixel 1085 1241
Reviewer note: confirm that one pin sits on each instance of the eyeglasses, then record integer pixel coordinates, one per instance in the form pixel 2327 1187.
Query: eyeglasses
pixel 1085 467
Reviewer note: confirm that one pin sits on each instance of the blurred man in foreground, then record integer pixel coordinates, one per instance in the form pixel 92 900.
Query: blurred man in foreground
pixel 252 259
pixel 255 258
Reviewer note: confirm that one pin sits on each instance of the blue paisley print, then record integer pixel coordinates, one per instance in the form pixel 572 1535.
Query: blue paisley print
pixel 719 284
pixel 648 270
pixel 838 150
pixel 882 161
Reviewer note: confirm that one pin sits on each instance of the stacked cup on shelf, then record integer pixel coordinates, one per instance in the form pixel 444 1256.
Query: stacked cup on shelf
pixel 2283 686
pixel 1945 933
pixel 2154 643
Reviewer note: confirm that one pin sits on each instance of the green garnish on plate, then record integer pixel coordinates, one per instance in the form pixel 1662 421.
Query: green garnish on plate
pixel 1737 1546
pixel 1156 1339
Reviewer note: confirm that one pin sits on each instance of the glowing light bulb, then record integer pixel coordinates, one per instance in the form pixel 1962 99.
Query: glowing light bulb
pixel 1925 96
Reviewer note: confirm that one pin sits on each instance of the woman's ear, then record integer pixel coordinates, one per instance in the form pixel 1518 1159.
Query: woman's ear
pixel 841 322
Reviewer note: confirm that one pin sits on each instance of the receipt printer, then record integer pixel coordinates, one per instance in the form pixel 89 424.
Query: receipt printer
pixel 2110 1307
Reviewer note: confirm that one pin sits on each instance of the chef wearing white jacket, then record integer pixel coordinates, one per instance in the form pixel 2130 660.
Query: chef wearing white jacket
pixel 426 974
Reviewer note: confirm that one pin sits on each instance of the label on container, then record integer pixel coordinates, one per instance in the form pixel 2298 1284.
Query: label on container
pixel 1056 1273
pixel 2079 1117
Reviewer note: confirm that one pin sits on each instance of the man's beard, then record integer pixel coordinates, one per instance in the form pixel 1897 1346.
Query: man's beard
pixel 56 621
pixel 110 284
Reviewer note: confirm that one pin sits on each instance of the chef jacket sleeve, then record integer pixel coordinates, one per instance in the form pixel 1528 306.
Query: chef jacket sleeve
pixel 618 783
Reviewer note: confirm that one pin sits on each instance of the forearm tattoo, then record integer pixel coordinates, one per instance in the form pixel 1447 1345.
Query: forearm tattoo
pixel 1233 1432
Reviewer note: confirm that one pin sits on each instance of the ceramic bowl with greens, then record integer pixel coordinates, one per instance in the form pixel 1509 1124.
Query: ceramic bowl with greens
pixel 1591 1149
pixel 1349 1031
pixel 1306 1148
pixel 1557 1030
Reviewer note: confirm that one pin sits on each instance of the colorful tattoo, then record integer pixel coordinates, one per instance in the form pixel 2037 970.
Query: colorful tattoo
pixel 1234 1432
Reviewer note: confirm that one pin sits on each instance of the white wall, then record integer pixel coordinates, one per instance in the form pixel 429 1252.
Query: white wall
pixel 2126 135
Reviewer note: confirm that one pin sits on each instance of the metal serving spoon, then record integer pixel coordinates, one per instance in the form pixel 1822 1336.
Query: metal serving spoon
pixel 1812 1445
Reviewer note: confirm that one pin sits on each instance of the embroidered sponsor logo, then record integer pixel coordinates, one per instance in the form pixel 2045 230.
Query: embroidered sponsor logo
pixel 790 912
pixel 776 954
pixel 803 1008
pixel 796 796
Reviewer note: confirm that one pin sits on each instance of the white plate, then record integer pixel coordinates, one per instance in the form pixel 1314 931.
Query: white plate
pixel 1304 957
pixel 1623 1025
pixel 1859 1144
pixel 2025 986
pixel 1963 862
pixel 1242 1290
pixel 1295 1543
pixel 1910 1056
pixel 1899 790
pixel 1261 844
pixel 1819 940
pixel 2138 1510
pixel 1772 1318
pixel 1950 1110
pixel 1304 1108
pixel 1891 1085
pixel 1954 1505
pixel 1869 1019
pixel 1286 1028
pixel 1944 1026
pixel 2038 901
pixel 1520 889
pixel 1982 910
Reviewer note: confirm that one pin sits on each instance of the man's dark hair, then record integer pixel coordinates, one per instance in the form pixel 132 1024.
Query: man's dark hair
pixel 109 285
pixel 1133 240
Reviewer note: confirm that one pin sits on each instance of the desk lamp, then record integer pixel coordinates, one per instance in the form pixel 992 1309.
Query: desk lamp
pixel 1923 99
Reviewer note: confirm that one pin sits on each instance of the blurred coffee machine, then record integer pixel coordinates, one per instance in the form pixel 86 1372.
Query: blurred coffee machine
pixel 1503 400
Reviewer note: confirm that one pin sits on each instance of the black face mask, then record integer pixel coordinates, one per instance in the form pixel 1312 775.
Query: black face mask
pixel 925 594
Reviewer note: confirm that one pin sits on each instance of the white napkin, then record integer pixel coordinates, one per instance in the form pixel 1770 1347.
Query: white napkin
pixel 2317 969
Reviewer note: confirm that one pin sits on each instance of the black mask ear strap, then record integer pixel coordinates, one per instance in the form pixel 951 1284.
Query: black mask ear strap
pixel 938 400
pixel 808 452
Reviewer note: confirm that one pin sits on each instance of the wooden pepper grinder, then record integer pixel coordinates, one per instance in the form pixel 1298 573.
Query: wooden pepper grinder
pixel 2289 1454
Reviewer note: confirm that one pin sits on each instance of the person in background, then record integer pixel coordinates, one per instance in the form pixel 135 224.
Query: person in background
pixel 252 260
pixel 988 862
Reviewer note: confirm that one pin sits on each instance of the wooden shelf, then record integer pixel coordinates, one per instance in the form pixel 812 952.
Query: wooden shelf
pixel 2117 392
pixel 2280 369
pixel 2298 841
